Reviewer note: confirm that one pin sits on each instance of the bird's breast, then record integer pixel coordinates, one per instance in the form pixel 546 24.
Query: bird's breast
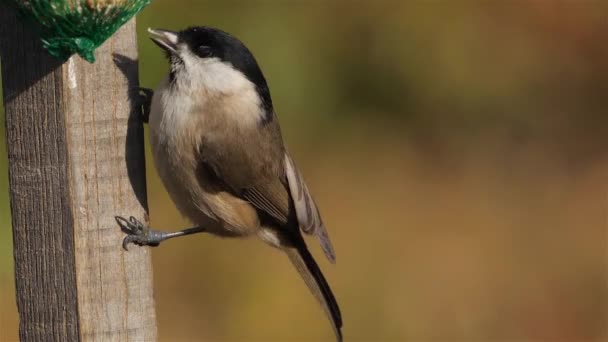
pixel 174 139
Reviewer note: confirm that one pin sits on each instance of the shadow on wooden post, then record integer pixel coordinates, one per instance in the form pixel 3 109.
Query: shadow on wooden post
pixel 76 159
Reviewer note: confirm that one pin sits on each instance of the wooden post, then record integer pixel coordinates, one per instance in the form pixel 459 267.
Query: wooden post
pixel 76 159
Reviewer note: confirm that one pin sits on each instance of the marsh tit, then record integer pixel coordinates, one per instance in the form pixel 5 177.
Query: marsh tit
pixel 218 150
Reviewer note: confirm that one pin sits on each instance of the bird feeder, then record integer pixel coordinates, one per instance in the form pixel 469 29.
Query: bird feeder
pixel 78 26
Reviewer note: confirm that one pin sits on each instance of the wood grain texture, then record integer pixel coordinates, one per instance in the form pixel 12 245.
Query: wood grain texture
pixel 76 159
pixel 43 228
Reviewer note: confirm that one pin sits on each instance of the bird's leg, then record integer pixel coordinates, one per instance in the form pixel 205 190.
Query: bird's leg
pixel 140 234
pixel 145 101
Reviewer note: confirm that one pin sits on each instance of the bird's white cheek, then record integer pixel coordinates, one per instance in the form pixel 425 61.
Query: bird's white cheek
pixel 238 96
pixel 223 77
pixel 244 108
pixel 216 89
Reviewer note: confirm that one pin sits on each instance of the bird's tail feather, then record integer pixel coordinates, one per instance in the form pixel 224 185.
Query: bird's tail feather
pixel 314 279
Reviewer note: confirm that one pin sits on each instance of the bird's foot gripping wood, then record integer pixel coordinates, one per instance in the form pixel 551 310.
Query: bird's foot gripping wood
pixel 138 233
pixel 145 101
pixel 142 235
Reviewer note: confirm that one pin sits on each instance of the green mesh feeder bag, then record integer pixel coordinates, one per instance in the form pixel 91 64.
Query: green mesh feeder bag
pixel 78 26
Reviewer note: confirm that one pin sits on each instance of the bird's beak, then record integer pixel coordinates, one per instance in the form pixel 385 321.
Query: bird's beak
pixel 167 40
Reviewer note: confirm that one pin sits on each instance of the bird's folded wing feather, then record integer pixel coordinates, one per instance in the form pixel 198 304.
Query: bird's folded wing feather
pixel 268 181
pixel 306 209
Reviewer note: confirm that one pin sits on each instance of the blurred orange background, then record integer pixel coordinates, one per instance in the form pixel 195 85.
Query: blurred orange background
pixel 458 152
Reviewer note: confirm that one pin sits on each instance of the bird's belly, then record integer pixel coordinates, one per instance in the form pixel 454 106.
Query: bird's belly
pixel 174 146
pixel 178 176
pixel 174 158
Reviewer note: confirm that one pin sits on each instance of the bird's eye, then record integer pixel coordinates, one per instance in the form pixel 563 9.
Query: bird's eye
pixel 204 51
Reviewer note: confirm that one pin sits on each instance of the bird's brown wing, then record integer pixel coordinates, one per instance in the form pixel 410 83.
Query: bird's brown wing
pixel 258 169
pixel 307 212
pixel 250 168
pixel 272 198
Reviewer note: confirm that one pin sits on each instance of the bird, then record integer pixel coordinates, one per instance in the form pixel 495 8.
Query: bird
pixel 218 150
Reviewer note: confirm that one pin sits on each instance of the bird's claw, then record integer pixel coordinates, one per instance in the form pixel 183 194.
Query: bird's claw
pixel 137 232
